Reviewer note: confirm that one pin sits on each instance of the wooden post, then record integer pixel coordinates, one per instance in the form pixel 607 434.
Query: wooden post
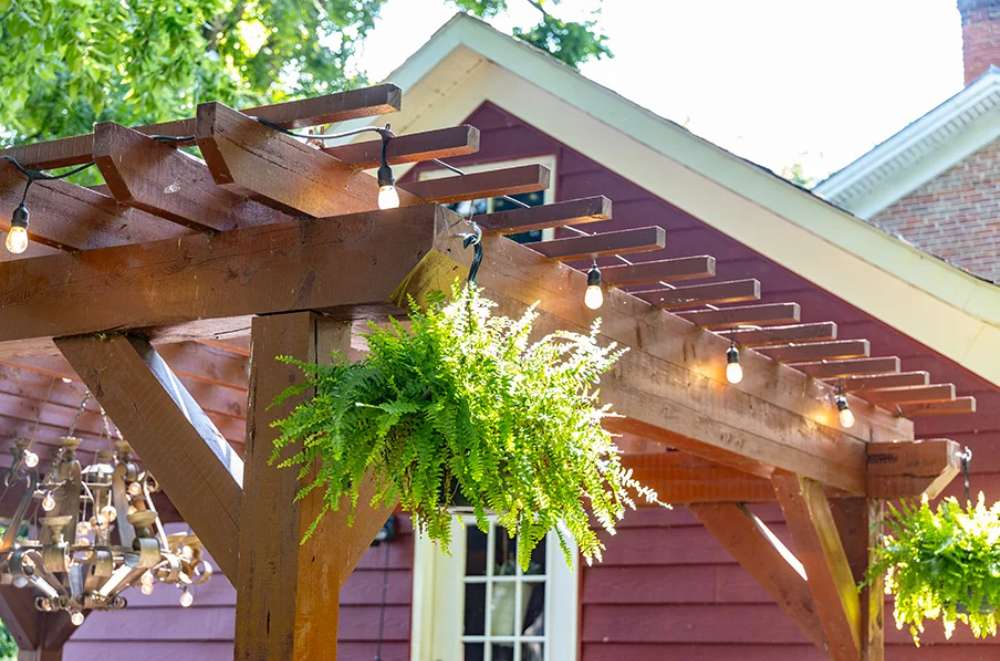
pixel 859 522
pixel 288 594
pixel 39 636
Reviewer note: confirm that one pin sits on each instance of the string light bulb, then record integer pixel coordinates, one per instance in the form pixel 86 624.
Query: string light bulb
pixel 109 514
pixel 186 598
pixel 594 296
pixel 388 196
pixel 76 618
pixel 734 371
pixel 17 236
pixel 48 502
pixel 844 411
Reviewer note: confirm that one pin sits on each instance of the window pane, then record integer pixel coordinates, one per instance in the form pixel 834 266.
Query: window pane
pixel 475 609
pixel 531 199
pixel 533 608
pixel 532 651
pixel 504 553
pixel 474 652
pixel 475 551
pixel 502 609
pixel 537 563
pixel 503 651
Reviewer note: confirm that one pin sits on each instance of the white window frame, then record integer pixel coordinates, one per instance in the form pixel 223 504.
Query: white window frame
pixel 439 593
pixel 548 160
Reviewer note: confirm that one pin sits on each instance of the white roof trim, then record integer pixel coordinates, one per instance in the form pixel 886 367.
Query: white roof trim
pixel 467 62
pixel 930 145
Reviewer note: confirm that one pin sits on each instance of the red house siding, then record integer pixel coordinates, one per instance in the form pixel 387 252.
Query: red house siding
pixel 666 590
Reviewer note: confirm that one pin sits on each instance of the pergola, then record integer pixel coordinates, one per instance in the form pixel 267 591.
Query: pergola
pixel 276 238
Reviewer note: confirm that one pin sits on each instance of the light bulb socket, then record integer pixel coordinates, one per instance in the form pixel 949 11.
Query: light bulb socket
pixel 594 277
pixel 20 217
pixel 732 355
pixel 841 403
pixel 385 176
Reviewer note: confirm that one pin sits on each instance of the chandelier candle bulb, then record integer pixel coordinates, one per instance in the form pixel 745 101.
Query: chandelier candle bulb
pixel 76 618
pixel 109 514
pixel 734 371
pixel 48 502
pixel 186 598
pixel 594 297
pixel 30 459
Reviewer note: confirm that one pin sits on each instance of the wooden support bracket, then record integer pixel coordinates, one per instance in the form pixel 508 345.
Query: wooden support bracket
pixel 197 468
pixel 818 546
pixel 912 469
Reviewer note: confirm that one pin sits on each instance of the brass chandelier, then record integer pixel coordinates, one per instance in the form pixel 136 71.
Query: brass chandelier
pixel 81 535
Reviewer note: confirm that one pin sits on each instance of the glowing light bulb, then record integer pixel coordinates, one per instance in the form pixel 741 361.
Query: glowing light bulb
pixel 134 488
pixel 17 240
pixel 30 459
pixel 844 412
pixel 76 618
pixel 388 197
pixel 594 296
pixel 109 513
pixel 186 598
pixel 48 502
pixel 20 581
pixel 734 371
pixel 146 583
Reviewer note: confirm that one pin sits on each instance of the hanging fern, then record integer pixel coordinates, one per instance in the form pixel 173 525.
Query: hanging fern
pixel 462 401
pixel 942 564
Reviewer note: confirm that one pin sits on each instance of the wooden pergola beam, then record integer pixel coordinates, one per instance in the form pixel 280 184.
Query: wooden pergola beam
pixel 69 217
pixel 713 293
pixel 680 478
pixel 818 546
pixel 39 636
pixel 175 283
pixel 409 148
pixel 559 214
pixel 459 187
pixel 810 351
pixel 765 558
pixel 774 335
pixel 912 470
pixel 336 107
pixel 620 242
pixel 158 178
pixel 197 468
pixel 744 315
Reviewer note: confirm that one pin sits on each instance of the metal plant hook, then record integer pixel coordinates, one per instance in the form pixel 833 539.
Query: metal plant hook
pixel 474 239
pixel 966 458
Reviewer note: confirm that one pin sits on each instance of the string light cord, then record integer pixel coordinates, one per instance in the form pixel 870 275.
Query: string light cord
pixel 384 131
pixel 965 456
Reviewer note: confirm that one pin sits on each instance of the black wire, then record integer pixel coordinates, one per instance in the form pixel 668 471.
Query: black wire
pixel 385 594
pixel 172 138
pixel 40 175
pixel 384 132
pixel 477 256
pixel 966 457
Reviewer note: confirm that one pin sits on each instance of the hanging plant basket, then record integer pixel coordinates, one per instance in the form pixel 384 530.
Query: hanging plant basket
pixel 942 563
pixel 462 409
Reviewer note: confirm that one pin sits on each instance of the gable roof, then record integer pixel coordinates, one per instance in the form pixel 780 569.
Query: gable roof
pixel 467 62
pixel 924 149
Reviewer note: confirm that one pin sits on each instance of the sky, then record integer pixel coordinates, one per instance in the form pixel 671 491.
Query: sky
pixel 781 82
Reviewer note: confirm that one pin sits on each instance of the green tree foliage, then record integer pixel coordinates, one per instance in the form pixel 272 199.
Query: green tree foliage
pixel 8 648
pixel 462 402
pixel 70 63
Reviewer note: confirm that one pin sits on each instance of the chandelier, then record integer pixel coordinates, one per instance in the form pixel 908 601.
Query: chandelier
pixel 81 535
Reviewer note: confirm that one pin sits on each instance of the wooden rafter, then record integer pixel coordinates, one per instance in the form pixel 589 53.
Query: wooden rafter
pixel 560 214
pixel 160 179
pixel 733 291
pixel 957 406
pixel 327 109
pixel 661 270
pixel 621 242
pixel 830 369
pixel 876 381
pixel 502 181
pixel 772 335
pixel 198 469
pixel 809 351
pixel 941 392
pixel 745 315
pixel 411 148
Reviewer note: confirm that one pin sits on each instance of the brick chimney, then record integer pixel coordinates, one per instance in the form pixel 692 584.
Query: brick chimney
pixel 980 35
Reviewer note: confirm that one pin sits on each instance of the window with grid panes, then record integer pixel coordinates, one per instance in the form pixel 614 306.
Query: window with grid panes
pixel 483 607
